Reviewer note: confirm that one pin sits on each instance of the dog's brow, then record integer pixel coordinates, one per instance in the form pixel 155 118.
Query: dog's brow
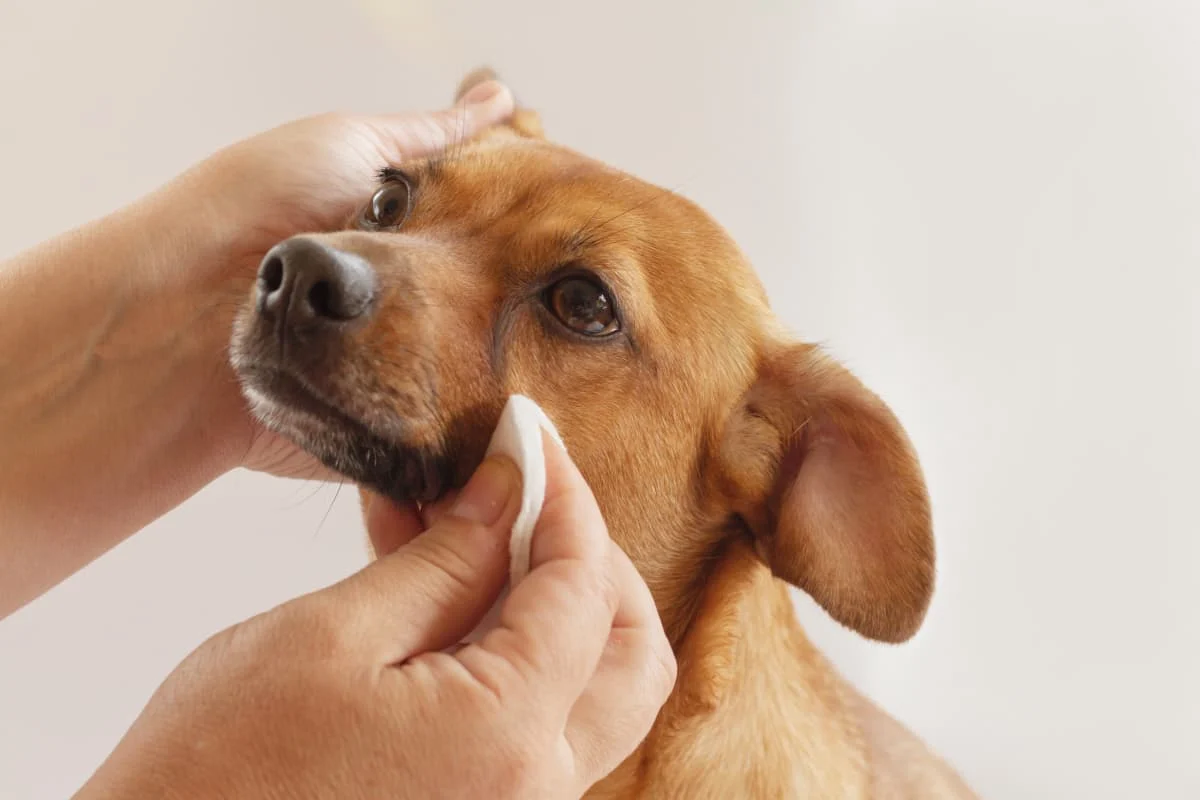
pixel 573 244
pixel 390 173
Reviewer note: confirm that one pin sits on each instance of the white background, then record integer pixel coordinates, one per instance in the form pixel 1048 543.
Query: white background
pixel 989 209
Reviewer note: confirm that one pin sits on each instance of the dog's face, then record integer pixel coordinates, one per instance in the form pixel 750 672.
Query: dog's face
pixel 516 266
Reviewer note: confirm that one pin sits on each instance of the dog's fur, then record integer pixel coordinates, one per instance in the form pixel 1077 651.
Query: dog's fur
pixel 728 459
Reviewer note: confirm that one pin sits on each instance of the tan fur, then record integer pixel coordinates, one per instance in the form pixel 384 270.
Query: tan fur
pixel 726 458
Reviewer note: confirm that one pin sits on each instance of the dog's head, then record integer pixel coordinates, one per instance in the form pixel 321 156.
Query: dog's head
pixel 513 265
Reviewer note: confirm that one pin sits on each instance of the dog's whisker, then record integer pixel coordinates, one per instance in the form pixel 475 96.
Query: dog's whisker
pixel 654 197
pixel 312 491
pixel 336 493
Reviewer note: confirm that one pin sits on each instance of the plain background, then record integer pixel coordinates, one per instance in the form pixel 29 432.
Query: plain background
pixel 989 209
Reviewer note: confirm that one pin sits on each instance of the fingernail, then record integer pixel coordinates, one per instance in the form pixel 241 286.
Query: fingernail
pixel 485 496
pixel 482 94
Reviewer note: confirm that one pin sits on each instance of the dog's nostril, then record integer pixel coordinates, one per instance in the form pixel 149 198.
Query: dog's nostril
pixel 271 274
pixel 302 284
pixel 322 302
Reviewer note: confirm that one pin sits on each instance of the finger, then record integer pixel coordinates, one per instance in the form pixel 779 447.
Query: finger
pixel 432 512
pixel 406 136
pixel 389 526
pixel 554 624
pixel 431 592
pixel 632 681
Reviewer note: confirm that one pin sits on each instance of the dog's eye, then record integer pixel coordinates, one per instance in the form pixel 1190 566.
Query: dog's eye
pixel 583 306
pixel 390 205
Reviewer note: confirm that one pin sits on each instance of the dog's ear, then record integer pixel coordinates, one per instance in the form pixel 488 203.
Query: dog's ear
pixel 524 122
pixel 829 485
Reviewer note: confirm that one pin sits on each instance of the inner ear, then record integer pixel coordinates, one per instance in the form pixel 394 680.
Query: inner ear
pixel 525 122
pixel 826 479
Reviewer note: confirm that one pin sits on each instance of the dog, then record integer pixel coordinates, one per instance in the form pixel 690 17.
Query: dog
pixel 730 460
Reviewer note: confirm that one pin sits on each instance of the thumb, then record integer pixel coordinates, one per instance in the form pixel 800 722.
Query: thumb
pixel 432 591
pixel 406 136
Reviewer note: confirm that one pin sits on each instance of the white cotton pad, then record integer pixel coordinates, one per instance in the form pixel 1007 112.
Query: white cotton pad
pixel 518 436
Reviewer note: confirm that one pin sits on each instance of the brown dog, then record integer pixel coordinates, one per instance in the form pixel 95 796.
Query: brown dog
pixel 729 460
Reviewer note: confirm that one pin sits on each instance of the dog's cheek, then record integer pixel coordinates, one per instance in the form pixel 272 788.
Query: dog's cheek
pixel 385 398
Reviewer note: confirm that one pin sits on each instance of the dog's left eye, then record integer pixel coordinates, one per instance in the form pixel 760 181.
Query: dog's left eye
pixel 390 205
pixel 584 306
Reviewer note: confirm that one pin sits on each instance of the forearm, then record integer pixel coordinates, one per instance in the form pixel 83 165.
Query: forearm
pixel 114 399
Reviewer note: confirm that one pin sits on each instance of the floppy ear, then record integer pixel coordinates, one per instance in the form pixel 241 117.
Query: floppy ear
pixel 524 122
pixel 828 483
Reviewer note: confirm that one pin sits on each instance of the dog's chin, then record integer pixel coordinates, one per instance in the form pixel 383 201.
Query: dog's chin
pixel 289 406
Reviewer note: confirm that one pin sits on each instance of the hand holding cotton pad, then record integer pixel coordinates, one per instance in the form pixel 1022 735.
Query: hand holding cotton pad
pixel 518 436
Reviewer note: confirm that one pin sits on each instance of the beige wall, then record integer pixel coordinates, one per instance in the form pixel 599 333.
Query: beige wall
pixel 989 209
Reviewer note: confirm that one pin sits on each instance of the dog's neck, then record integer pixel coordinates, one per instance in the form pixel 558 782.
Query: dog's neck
pixel 743 656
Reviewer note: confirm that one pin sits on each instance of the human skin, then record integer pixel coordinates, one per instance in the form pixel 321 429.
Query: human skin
pixel 349 692
pixel 117 401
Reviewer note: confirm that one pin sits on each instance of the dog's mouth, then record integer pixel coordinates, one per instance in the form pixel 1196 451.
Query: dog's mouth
pixel 289 405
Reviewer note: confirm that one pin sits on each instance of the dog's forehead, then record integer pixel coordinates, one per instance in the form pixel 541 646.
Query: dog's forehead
pixel 539 191
pixel 534 178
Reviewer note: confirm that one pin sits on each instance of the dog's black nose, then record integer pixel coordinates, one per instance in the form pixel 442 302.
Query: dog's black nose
pixel 303 283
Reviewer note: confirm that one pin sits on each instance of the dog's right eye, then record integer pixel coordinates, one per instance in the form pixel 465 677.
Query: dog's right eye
pixel 390 205
pixel 583 306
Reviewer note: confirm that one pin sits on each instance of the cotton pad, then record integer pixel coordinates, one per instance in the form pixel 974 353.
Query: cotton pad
pixel 518 436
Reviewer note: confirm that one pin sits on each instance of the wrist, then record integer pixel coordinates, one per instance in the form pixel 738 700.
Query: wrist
pixel 116 399
pixel 194 273
pixel 196 262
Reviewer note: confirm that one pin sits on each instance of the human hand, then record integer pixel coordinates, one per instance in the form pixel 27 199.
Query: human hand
pixel 305 176
pixel 128 351
pixel 346 692
pixel 313 174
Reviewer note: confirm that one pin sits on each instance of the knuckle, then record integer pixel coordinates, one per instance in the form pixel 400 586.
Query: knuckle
pixel 454 122
pixel 496 696
pixel 652 670
pixel 606 588
pixel 333 119
pixel 528 765
pixel 503 673
pixel 318 625
pixel 525 763
pixel 591 584
pixel 456 571
pixel 442 554
pixel 662 658
pixel 663 670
